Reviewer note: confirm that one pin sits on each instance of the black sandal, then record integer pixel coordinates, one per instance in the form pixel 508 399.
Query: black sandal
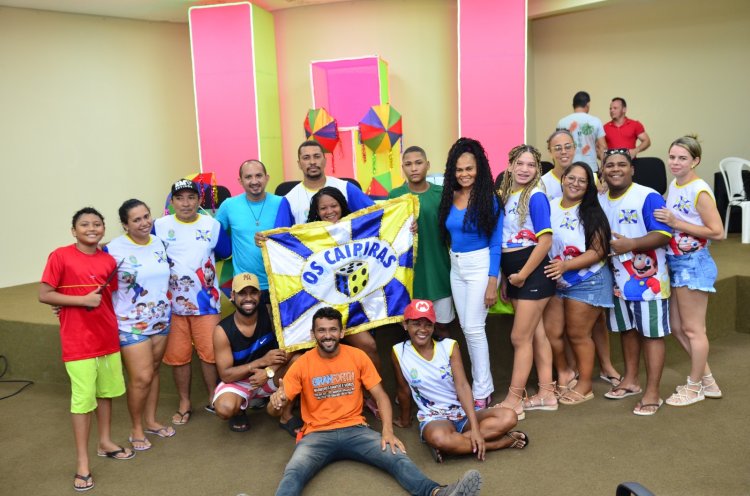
pixel 292 425
pixel 85 478
pixel 239 423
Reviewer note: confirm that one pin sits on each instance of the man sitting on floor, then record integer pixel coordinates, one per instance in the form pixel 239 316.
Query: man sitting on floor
pixel 330 379
pixel 248 357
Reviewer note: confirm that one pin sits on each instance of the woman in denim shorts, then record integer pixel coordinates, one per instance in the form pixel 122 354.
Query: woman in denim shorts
pixel 691 211
pixel 580 244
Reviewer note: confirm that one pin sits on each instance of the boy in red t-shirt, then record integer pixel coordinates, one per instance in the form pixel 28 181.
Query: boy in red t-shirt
pixel 78 279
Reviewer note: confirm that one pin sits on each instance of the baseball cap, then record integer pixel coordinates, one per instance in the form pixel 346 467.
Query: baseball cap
pixel 419 309
pixel 184 184
pixel 242 281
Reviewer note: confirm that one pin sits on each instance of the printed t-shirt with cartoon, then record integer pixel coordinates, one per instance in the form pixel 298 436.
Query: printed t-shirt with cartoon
pixel 299 198
pixel 682 200
pixel 537 220
pixel 639 276
pixel 242 218
pixel 431 381
pixel 84 333
pixel 193 282
pixel 432 270
pixel 569 241
pixel 331 388
pixel 586 130
pixel 141 301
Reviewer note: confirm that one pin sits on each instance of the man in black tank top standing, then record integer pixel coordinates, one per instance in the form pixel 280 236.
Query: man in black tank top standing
pixel 248 357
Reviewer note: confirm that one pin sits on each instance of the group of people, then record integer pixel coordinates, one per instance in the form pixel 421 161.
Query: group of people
pixel 570 250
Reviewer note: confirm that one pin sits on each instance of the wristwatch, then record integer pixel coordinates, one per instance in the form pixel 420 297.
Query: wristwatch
pixel 270 372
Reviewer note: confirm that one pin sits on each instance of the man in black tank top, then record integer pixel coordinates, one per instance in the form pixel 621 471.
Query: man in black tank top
pixel 248 357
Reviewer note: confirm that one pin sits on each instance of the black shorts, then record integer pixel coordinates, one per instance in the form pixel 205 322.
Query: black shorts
pixel 537 286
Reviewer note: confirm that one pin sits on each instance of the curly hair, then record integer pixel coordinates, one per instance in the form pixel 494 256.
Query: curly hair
pixel 334 193
pixel 596 229
pixel 484 206
pixel 507 184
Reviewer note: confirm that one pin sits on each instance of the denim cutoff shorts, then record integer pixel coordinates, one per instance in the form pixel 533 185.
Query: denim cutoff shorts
pixel 696 271
pixel 595 291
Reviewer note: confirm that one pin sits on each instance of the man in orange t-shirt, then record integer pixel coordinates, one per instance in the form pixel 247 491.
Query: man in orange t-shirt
pixel 330 379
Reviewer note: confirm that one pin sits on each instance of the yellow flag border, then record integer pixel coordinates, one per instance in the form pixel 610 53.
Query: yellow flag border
pixel 413 200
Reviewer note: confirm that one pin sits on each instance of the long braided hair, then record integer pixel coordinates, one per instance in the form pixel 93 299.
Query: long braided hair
pixel 484 206
pixel 507 185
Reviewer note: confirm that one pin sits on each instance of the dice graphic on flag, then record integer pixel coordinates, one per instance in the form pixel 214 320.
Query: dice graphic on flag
pixel 351 278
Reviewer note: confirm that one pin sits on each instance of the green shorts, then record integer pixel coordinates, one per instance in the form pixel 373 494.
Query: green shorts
pixel 93 378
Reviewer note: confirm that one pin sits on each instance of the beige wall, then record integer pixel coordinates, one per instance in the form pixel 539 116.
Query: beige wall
pixel 418 40
pixel 682 66
pixel 92 111
pixel 96 110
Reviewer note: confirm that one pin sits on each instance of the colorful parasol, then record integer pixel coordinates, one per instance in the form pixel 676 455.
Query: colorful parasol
pixel 206 182
pixel 380 129
pixel 321 127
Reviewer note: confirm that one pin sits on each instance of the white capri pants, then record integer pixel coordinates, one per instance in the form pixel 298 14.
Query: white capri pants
pixel 468 284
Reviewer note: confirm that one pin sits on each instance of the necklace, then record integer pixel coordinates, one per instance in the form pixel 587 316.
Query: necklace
pixel 262 206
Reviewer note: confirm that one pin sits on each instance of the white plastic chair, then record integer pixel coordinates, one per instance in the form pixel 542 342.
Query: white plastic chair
pixel 731 170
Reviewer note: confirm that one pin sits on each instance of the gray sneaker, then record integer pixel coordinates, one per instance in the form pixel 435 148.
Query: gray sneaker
pixel 468 485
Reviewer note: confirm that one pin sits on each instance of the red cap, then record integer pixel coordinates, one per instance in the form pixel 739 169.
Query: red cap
pixel 419 309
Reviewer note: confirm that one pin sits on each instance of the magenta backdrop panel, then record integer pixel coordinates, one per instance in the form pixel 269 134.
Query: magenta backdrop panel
pixel 222 44
pixel 346 88
pixel 492 75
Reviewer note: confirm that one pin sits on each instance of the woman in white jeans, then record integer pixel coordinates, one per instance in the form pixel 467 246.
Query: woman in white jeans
pixel 471 220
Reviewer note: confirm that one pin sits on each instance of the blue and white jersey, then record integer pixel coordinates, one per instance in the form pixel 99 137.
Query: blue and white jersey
pixel 537 220
pixel 643 275
pixel 299 198
pixel 193 282
pixel 431 381
pixel 569 241
pixel 141 301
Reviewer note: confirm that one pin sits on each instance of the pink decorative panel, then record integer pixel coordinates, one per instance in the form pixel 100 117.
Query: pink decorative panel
pixel 222 44
pixel 346 88
pixel 492 75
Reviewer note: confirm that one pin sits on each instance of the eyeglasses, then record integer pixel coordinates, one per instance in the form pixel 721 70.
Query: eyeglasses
pixel 580 181
pixel 617 151
pixel 567 147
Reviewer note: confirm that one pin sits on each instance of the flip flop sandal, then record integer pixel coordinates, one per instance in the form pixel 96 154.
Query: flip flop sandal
pixel 162 431
pixel 184 417
pixel 573 397
pixel 85 478
pixel 436 455
pixel 638 410
pixel 628 392
pixel 516 441
pixel 292 425
pixel 240 423
pixel 147 444
pixel 615 381
pixel 113 454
